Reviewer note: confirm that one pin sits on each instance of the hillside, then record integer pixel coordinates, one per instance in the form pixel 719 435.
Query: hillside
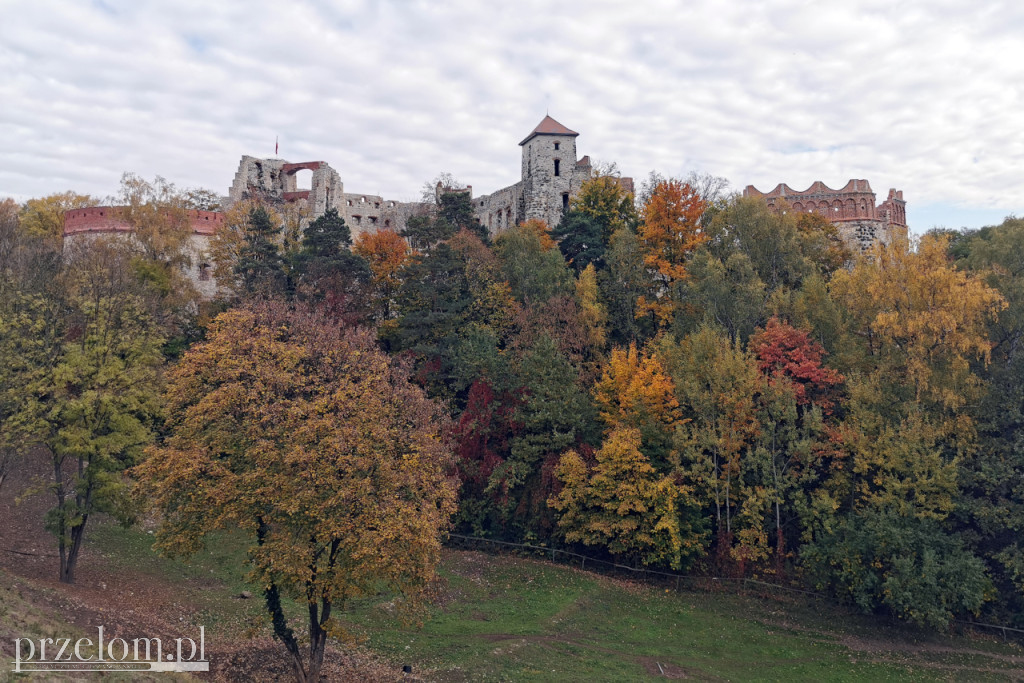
pixel 496 618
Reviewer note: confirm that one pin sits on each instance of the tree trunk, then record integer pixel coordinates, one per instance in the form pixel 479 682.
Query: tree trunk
pixel 317 638
pixel 283 633
pixel 70 561
pixel 58 489
pixel 272 598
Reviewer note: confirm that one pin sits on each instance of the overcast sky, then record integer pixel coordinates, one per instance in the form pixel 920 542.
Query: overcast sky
pixel 924 96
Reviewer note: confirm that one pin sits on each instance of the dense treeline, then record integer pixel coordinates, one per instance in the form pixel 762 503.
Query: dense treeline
pixel 687 381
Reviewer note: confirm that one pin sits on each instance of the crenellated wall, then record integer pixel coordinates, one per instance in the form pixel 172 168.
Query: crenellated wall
pixel 852 209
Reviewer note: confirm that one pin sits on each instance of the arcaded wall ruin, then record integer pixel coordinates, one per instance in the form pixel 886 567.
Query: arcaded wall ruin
pixel 852 209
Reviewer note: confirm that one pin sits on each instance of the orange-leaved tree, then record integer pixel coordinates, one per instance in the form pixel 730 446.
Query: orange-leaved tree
pixel 669 232
pixel 316 447
pixel 386 253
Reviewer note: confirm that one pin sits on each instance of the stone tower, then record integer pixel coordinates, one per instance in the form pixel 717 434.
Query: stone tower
pixel 551 176
pixel 549 169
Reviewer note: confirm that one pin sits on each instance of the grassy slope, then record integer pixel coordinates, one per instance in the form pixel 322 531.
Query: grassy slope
pixel 516 619
pixel 508 618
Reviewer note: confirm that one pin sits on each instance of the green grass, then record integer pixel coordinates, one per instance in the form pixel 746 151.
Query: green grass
pixel 504 618
pixel 209 582
pixel 518 619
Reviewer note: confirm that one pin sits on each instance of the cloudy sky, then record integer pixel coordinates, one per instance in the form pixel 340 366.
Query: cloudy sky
pixel 926 96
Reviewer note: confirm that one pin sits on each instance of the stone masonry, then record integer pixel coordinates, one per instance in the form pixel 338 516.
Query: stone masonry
pixel 550 175
pixel 851 209
pixel 87 224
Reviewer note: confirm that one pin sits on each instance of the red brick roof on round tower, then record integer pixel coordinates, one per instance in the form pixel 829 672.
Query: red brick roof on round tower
pixel 548 126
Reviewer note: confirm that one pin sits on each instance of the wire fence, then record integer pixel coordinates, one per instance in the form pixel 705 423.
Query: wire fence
pixel 678 581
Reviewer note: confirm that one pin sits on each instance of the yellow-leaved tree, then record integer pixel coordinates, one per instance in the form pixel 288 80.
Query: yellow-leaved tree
pixel 316 447
pixel 635 391
pixel 623 504
pixel 920 322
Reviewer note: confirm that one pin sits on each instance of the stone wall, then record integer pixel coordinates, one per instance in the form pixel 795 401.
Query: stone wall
pixel 85 225
pixel 852 209
pixel 274 181
pixel 550 176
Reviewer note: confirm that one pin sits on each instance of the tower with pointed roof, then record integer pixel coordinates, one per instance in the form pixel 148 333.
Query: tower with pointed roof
pixel 551 175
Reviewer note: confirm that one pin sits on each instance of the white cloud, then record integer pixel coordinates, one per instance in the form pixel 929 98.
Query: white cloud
pixel 921 95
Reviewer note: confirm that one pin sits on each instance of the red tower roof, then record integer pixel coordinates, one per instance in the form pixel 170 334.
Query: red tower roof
pixel 548 126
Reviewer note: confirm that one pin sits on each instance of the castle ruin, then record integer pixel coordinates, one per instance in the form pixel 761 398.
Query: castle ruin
pixel 274 181
pixel 86 224
pixel 852 209
pixel 550 176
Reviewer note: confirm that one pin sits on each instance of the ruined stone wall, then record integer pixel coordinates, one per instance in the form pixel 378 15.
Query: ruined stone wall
pixel 852 209
pixel 82 226
pixel 500 210
pixel 274 181
pixel 107 219
pixel 893 210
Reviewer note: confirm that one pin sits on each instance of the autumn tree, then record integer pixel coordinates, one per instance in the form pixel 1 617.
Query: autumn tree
pixel 44 217
pixel 669 232
pixel 158 214
pixel 31 320
pixel 85 361
pixel 317 448
pixel 921 322
pixel 599 208
pixel 622 503
pixel 385 252
pixel 718 385
pixel 593 315
pixel 530 264
pixel 752 261
pixel 795 444
pixel 636 392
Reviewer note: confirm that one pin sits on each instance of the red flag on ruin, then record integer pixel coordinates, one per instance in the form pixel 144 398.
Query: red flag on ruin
pixel 275 145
